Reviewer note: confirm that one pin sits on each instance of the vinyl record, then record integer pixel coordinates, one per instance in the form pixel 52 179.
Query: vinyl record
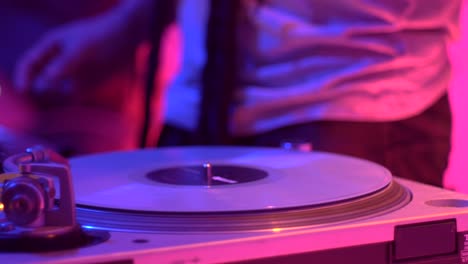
pixel 244 179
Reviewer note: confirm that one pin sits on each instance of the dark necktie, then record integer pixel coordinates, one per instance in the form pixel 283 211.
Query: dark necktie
pixel 219 74
pixel 164 12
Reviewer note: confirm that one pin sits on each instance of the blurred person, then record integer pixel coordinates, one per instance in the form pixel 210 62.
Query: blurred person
pixel 455 174
pixel 366 78
pixel 70 119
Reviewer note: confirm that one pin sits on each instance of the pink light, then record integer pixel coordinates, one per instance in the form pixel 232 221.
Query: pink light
pixel 455 177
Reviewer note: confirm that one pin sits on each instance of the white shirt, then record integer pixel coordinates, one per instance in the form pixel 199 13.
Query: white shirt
pixel 305 60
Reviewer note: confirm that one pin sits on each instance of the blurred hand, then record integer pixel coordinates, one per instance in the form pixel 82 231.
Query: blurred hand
pixel 75 53
pixel 15 112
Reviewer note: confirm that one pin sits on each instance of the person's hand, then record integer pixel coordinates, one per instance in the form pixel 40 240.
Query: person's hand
pixel 15 112
pixel 75 54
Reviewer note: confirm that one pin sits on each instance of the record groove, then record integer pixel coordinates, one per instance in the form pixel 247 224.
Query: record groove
pixel 393 197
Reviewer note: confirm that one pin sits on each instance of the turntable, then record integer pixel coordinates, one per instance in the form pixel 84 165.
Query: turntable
pixel 223 204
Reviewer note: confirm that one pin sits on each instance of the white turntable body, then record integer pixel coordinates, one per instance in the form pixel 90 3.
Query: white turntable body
pixel 429 213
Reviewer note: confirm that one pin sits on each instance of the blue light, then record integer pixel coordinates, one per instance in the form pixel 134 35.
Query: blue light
pixel 88 227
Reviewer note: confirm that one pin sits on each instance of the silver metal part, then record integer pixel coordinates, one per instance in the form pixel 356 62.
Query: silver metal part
pixel 28 198
pixel 208 173
pixel 38 154
pixel 24 201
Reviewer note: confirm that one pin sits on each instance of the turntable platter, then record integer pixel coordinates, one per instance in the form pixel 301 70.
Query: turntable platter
pixel 244 179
